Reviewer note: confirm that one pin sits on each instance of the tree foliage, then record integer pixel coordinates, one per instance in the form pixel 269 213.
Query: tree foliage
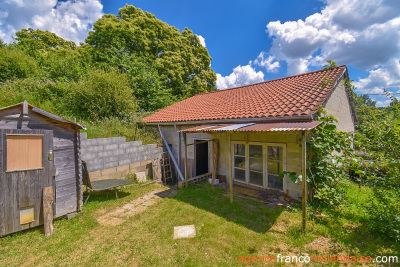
pixel 182 63
pixel 15 64
pixel 103 93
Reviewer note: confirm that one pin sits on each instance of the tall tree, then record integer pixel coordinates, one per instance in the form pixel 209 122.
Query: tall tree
pixel 183 64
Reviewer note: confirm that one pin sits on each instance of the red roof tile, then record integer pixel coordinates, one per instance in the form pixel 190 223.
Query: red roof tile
pixel 290 96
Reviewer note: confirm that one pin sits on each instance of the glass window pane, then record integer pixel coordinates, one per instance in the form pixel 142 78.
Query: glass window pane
pixel 239 149
pixel 240 174
pixel 255 151
pixel 275 153
pixel 275 167
pixel 240 162
pixel 256 164
pixel 274 181
pixel 256 178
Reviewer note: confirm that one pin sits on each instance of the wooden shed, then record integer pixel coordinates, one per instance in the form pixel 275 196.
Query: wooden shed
pixel 37 149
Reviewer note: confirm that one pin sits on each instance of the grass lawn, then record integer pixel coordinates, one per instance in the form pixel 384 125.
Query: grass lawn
pixel 225 231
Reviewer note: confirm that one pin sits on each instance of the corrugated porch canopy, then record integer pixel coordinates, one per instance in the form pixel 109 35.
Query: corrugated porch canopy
pixel 255 127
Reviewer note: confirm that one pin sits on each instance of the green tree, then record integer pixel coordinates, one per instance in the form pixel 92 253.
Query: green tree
pixel 182 63
pixel 37 42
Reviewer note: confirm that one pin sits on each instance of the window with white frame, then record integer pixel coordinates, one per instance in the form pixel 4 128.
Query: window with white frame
pixel 259 164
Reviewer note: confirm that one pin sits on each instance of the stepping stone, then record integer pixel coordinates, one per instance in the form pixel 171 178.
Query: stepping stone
pixel 186 231
pixel 141 177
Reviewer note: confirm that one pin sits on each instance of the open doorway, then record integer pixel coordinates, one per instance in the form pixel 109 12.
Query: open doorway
pixel 201 158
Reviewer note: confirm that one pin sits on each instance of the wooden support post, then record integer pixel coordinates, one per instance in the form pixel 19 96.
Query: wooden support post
pixel 304 181
pixel 48 210
pixel 230 170
pixel 214 172
pixel 186 178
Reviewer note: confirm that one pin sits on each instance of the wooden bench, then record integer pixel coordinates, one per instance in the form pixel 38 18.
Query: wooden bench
pixel 101 185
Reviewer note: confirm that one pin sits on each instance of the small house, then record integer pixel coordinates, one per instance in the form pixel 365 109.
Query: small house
pixel 37 149
pixel 250 134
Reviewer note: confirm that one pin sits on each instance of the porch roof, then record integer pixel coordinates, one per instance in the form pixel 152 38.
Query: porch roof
pixel 255 127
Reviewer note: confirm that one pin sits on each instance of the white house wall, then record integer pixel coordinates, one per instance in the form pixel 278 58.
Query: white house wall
pixel 338 105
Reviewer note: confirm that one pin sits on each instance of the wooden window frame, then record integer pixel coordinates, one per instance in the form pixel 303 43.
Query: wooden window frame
pixel 265 162
pixel 6 150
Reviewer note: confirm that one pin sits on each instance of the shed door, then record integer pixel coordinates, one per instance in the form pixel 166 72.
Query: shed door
pixel 26 166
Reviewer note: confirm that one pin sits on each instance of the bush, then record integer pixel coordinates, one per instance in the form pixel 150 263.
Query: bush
pixel 16 64
pixel 101 94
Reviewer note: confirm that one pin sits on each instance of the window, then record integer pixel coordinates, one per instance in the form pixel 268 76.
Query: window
pixel 239 155
pixel 24 152
pixel 259 164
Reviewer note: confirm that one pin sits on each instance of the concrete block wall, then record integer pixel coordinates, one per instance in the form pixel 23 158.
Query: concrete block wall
pixel 113 158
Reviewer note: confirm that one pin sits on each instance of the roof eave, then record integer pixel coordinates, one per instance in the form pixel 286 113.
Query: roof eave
pixel 239 120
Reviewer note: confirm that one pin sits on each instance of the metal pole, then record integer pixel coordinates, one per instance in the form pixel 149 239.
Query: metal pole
pixel 304 181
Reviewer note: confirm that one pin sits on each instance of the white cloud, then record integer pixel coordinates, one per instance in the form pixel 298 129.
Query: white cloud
pixel 364 34
pixel 202 40
pixel 71 19
pixel 270 64
pixel 383 77
pixel 241 75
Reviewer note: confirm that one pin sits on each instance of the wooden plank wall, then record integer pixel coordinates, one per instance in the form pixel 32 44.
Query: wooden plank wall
pixel 64 141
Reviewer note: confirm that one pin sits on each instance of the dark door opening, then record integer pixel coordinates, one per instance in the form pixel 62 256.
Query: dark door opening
pixel 201 158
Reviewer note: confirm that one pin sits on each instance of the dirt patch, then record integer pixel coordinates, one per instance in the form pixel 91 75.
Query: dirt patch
pixel 136 206
pixel 322 244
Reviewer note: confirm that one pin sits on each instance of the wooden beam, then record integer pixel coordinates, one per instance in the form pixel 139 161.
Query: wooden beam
pixel 214 172
pixel 230 170
pixel 304 181
pixel 25 108
pixel 196 143
pixel 186 178
pixel 48 210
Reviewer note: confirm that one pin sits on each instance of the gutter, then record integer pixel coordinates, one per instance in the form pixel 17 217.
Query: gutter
pixel 248 120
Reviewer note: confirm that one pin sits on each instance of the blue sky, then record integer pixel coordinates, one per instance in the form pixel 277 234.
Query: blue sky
pixel 251 41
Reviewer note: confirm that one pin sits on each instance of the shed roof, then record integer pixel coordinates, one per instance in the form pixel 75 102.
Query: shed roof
pixel 45 114
pixel 298 95
pixel 255 127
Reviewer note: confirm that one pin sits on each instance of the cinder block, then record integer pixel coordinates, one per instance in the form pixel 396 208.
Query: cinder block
pixel 134 143
pixel 95 161
pixel 123 145
pixel 83 136
pixel 93 148
pixel 109 170
pixel 102 178
pixel 122 168
pixel 105 154
pixel 90 156
pixel 132 149
pixel 118 175
pixel 95 174
pixel 123 157
pixel 95 167
pixel 110 147
pixel 110 164
pixel 124 162
pixel 134 165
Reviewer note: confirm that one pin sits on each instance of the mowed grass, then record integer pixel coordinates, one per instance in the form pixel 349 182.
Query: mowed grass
pixel 225 231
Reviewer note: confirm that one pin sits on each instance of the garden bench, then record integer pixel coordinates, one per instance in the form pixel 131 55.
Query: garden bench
pixel 101 185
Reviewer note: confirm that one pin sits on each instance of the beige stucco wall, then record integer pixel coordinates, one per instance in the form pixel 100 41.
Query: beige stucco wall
pixel 338 105
pixel 290 139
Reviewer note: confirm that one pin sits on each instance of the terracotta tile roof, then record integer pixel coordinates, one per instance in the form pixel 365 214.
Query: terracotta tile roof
pixel 285 97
